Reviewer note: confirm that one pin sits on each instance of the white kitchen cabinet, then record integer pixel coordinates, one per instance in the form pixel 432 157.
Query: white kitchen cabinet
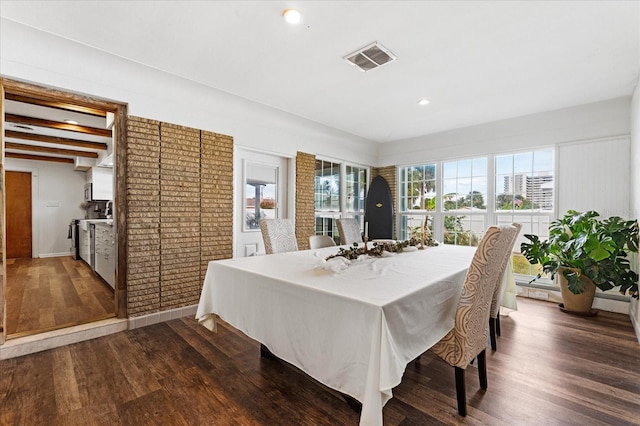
pixel 101 180
pixel 105 265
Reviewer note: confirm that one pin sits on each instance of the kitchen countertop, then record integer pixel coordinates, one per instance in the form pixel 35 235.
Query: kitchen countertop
pixel 104 222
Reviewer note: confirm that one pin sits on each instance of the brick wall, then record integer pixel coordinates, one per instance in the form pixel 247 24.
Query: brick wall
pixel 305 193
pixel 389 174
pixel 179 212
pixel 216 212
pixel 143 216
pixel 179 216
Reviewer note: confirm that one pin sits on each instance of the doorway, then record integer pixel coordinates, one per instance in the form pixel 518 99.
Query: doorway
pixel 262 194
pixel 47 286
pixel 18 207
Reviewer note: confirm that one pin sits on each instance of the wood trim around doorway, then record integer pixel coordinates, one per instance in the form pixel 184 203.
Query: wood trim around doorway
pixel 13 89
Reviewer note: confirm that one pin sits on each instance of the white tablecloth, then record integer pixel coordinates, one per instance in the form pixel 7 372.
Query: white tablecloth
pixel 355 330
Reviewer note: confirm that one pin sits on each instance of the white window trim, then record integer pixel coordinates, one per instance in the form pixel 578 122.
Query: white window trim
pixel 342 201
pixel 491 214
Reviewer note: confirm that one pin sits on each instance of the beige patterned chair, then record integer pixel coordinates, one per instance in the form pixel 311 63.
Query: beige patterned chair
pixel 279 235
pixel 494 319
pixel 468 339
pixel 349 231
pixel 320 241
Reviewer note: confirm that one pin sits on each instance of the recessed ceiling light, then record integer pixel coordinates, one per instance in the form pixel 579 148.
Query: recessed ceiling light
pixel 71 122
pixel 424 102
pixel 292 16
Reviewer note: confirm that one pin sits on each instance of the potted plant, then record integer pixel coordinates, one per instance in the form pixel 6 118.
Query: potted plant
pixel 586 252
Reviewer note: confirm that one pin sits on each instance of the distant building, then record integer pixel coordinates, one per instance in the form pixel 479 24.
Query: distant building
pixel 515 185
pixel 537 189
pixel 540 191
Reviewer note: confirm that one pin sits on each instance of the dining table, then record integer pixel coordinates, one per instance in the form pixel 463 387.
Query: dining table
pixel 353 325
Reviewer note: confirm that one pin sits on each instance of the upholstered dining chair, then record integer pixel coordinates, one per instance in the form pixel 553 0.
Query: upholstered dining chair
pixel 320 241
pixel 468 338
pixel 279 235
pixel 494 319
pixel 349 231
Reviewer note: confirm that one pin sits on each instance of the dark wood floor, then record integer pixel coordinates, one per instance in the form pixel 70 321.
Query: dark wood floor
pixel 550 369
pixel 54 292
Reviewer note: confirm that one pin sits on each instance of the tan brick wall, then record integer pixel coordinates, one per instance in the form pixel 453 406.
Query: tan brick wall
pixel 305 190
pixel 216 212
pixel 179 216
pixel 143 216
pixel 179 201
pixel 389 174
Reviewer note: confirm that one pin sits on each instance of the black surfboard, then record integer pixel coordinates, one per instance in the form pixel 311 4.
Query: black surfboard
pixel 379 210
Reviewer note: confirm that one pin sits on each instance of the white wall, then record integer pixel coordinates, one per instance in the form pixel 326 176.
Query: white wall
pixel 57 192
pixel 586 122
pixel 635 184
pixel 594 176
pixel 32 55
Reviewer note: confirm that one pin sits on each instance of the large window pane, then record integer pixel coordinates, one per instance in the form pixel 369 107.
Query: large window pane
pixel 465 185
pixel 412 225
pixel 356 180
pixel 260 194
pixel 463 230
pixel 327 186
pixel 525 181
pixel 418 188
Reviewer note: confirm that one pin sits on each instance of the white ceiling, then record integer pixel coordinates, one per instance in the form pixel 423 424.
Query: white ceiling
pixel 477 61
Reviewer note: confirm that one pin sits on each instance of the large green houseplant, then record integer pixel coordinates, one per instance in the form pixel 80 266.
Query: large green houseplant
pixel 587 251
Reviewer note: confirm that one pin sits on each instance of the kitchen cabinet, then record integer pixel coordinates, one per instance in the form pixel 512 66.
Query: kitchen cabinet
pixel 105 265
pixel 100 183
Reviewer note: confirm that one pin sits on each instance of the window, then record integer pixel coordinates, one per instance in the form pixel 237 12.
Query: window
pixel 417 199
pixel 332 180
pixel 459 199
pixel 356 191
pixel 464 195
pixel 524 191
pixel 260 194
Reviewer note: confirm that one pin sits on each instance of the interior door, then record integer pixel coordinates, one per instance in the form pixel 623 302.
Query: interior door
pixel 18 203
pixel 262 194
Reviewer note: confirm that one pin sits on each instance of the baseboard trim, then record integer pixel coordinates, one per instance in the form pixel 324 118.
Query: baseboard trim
pixel 162 316
pixel 43 255
pixel 552 294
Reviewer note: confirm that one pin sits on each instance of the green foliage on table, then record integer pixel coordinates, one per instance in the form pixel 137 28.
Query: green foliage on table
pixel 377 248
pixel 589 246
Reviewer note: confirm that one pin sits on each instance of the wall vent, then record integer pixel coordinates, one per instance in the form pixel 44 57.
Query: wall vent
pixel 371 57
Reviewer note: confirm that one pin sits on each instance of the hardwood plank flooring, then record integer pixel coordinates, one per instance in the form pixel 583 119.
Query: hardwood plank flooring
pixel 551 368
pixel 54 292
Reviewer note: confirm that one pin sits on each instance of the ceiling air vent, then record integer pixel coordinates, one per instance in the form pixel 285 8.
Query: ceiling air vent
pixel 370 57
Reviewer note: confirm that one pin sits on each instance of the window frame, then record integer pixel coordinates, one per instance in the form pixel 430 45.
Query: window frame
pixel 343 211
pixel 491 215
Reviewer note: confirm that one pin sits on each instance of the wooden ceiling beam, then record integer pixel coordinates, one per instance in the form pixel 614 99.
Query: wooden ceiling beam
pixel 58 151
pixel 38 157
pixel 15 87
pixel 66 106
pixel 39 122
pixel 55 140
